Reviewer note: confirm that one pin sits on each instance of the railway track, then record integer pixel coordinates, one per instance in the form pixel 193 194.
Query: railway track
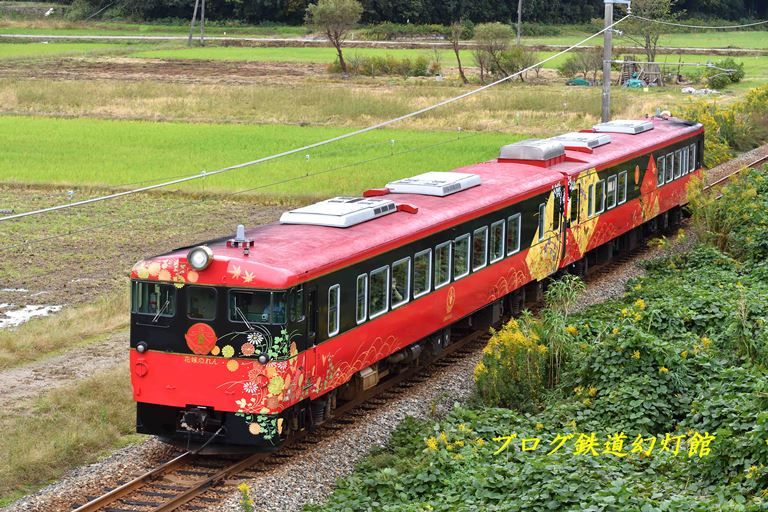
pixel 188 476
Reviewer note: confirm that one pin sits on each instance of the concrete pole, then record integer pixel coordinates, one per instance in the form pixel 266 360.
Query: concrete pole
pixel 519 19
pixel 192 25
pixel 202 23
pixel 607 57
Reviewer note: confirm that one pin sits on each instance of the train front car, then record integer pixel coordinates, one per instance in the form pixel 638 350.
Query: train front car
pixel 216 349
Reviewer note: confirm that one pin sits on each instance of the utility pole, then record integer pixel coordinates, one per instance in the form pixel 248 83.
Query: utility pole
pixel 608 56
pixel 192 25
pixel 202 23
pixel 519 19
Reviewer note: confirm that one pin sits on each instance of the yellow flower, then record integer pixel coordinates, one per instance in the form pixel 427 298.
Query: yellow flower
pixel 572 330
pixel 542 349
pixel 578 390
pixel 431 443
pixel 624 313
pixel 638 287
pixel 459 443
pixel 463 427
pixel 615 331
pixel 684 354
pixel 587 402
pixel 640 304
pixel 479 442
pixel 443 438
pixel 592 391
pixel 243 487
pixel 539 426
pixel 637 317
pixel 663 369
pixel 636 354
pixel 572 424
pixel 706 341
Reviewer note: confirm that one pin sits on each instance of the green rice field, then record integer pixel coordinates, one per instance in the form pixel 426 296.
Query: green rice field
pixel 85 152
pixel 26 50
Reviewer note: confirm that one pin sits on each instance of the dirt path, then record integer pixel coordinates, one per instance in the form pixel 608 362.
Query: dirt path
pixel 26 382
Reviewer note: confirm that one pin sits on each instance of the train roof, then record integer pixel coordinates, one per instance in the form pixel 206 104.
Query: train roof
pixel 283 255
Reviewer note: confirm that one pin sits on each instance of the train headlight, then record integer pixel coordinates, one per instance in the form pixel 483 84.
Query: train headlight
pixel 263 358
pixel 200 257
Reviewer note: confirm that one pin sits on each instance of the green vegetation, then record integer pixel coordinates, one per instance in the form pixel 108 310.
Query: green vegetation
pixel 680 357
pixel 25 50
pixel 65 427
pixel 739 126
pixel 130 152
pixel 377 66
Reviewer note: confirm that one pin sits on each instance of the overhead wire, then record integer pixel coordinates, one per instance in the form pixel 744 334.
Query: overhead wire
pixel 294 151
pixel 702 27
pixel 116 222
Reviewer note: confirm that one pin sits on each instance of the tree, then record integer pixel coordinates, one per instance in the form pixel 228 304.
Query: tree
pixel 492 41
pixel 456 32
pixel 650 32
pixel 335 18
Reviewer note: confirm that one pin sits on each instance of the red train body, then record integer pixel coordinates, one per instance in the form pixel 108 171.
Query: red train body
pixel 266 331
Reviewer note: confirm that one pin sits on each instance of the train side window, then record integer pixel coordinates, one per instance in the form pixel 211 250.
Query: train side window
pixel 591 201
pixel 542 221
pixel 679 163
pixel 575 200
pixel 257 306
pixel 610 193
pixel 442 264
pixel 692 158
pixel 513 234
pixel 684 161
pixel 622 188
pixel 660 167
pixel 670 167
pixel 201 302
pixel 154 299
pixel 460 257
pixel 600 196
pixel 378 296
pixel 361 307
pixel 480 248
pixel 422 273
pixel 334 296
pixel 497 241
pixel 401 282
pixel 296 304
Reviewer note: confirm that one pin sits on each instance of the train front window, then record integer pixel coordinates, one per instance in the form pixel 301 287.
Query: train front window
pixel 154 299
pixel 257 307
pixel 201 302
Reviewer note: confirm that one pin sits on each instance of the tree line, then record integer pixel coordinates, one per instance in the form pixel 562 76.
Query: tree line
pixel 411 11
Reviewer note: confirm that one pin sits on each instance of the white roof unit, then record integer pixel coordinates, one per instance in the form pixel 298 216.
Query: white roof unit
pixel 583 140
pixel 339 212
pixel 435 183
pixel 532 149
pixel 624 126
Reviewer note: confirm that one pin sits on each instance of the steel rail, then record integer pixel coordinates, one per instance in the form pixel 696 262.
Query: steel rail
pixel 728 177
pixel 128 487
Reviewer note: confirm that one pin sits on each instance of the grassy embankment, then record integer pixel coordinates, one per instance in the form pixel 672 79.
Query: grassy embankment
pixel 65 428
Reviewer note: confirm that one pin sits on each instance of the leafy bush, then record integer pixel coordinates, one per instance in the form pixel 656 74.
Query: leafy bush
pixel 583 63
pixel 388 31
pixel 512 370
pixel 717 78
pixel 389 65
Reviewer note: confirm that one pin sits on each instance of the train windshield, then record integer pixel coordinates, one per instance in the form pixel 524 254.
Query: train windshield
pixel 257 307
pixel 156 299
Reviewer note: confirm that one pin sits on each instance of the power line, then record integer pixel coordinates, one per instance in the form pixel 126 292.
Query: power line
pixel 704 27
pixel 314 145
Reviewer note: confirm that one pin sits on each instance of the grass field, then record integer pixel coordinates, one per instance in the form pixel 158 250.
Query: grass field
pixel 569 35
pixel 59 27
pixel 25 50
pixel 92 152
